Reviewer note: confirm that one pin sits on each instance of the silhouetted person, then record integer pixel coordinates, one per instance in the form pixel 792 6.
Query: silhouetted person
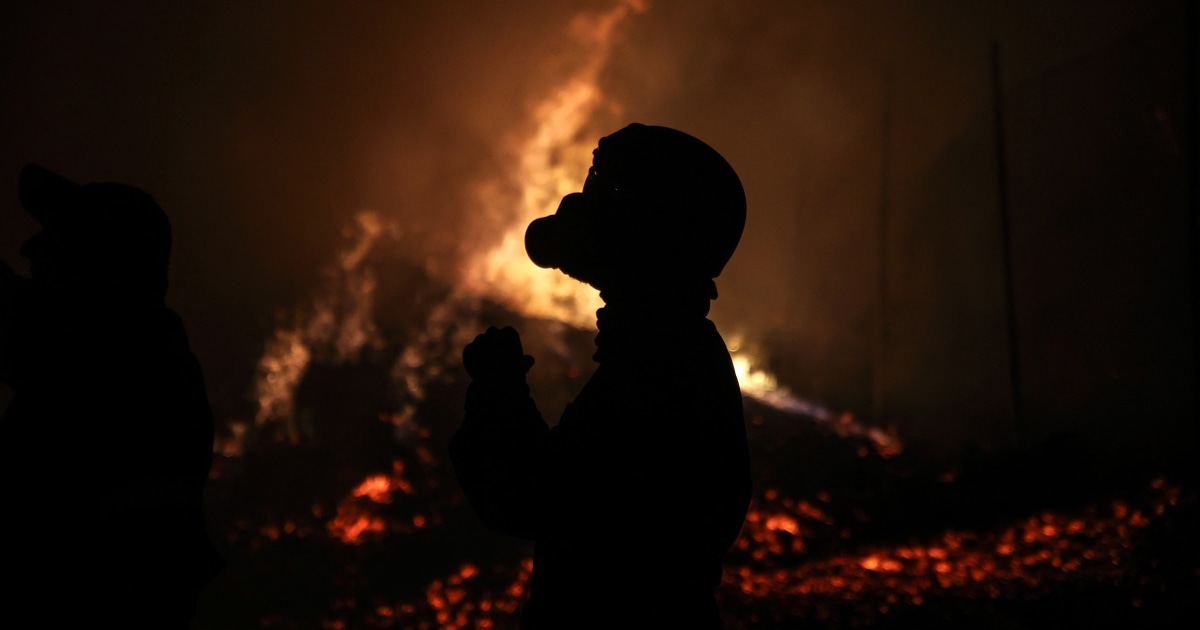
pixel 108 438
pixel 637 493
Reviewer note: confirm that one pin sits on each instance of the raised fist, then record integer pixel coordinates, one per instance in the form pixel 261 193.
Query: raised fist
pixel 496 353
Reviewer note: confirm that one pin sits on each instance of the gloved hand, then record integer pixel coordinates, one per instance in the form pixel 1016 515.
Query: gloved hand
pixel 496 354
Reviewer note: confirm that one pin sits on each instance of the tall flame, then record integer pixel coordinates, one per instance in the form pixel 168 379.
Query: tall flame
pixel 547 163
pixel 550 164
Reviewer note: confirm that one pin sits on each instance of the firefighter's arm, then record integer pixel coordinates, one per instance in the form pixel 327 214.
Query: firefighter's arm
pixel 499 450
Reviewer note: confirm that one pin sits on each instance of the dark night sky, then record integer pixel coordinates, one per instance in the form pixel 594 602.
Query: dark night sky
pixel 262 127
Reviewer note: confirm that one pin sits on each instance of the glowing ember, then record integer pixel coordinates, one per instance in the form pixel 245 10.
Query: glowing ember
pixel 381 488
pixel 467 598
pixel 353 523
pixel 357 517
pixel 1024 560
pixel 772 569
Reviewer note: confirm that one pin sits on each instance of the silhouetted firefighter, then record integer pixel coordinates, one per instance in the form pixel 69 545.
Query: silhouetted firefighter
pixel 108 439
pixel 637 493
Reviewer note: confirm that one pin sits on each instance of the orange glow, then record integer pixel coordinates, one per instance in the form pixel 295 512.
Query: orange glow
pixel 354 519
pixel 774 560
pixel 338 322
pixel 771 565
pixel 549 163
pixel 780 522
pixel 459 601
pixel 758 383
pixel 1025 558
pixel 352 524
pixel 376 488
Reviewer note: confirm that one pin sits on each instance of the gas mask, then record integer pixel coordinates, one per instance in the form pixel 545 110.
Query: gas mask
pixel 658 208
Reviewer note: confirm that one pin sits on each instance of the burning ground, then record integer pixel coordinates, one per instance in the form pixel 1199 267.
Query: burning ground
pixel 359 524
pixel 264 127
pixel 337 507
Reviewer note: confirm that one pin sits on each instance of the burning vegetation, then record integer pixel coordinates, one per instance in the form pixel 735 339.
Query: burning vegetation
pixel 344 512
pixel 397 548
pixel 338 509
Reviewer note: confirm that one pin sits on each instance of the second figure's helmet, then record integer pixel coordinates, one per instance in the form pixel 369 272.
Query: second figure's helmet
pixel 100 236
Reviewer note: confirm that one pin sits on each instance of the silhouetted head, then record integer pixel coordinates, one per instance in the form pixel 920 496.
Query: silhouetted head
pixel 104 238
pixel 660 214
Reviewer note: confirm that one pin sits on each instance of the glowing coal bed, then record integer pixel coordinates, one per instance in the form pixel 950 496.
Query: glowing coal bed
pixel 399 549
pixel 340 510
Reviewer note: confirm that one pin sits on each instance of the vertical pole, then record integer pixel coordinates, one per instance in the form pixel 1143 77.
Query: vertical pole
pixel 879 367
pixel 1191 162
pixel 1010 311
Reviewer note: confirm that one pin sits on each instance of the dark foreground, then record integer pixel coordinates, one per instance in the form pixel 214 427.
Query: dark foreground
pixel 354 520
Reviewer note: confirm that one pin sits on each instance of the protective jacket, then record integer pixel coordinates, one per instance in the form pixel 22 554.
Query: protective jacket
pixel 109 436
pixel 637 493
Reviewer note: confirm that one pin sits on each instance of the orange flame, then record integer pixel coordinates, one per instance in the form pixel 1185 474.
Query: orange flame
pixel 339 321
pixel 551 163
